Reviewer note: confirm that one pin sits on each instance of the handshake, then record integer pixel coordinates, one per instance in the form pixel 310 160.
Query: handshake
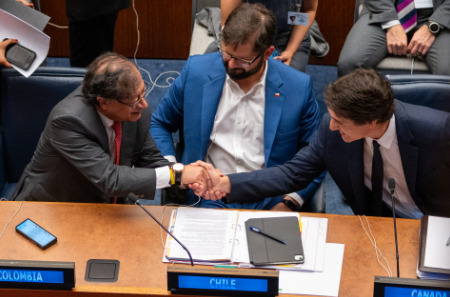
pixel 206 181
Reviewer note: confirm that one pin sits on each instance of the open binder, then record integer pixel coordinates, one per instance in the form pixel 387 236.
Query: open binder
pixel 216 236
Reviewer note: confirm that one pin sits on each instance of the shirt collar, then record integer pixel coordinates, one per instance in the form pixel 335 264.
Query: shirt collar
pixel 107 122
pixel 388 137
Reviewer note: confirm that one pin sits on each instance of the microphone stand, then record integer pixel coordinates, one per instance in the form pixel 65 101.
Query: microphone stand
pixel 391 184
pixel 133 198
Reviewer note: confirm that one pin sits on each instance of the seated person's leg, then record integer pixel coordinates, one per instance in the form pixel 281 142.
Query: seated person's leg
pixel 438 57
pixel 365 46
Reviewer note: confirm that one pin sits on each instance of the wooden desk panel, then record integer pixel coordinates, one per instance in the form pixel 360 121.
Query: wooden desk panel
pixel 128 234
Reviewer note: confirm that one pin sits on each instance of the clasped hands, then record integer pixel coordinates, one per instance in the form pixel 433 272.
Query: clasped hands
pixel 206 181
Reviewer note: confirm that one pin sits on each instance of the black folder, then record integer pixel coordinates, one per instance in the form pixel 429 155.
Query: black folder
pixel 264 250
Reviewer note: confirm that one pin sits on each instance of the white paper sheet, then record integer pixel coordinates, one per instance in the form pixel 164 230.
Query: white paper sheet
pixel 28 36
pixel 325 283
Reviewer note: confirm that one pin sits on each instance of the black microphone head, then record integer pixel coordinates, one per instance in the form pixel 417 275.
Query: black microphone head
pixel 133 198
pixel 391 184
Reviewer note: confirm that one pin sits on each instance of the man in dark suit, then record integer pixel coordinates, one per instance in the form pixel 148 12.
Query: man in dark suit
pixel 91 28
pixel 414 142
pixel 96 144
pixel 378 32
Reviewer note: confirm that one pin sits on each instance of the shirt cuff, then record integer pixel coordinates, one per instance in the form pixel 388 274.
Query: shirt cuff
pixel 162 177
pixel 171 158
pixel 297 198
pixel 389 24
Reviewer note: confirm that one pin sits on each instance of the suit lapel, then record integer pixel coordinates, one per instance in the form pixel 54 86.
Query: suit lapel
pixel 408 152
pixel 275 98
pixel 211 94
pixel 127 144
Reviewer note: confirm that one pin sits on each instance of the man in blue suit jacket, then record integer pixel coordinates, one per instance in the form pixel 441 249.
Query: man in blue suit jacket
pixel 267 107
pixel 414 144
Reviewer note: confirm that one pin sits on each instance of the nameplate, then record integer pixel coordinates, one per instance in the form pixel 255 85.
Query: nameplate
pixel 37 275
pixel 399 287
pixel 222 281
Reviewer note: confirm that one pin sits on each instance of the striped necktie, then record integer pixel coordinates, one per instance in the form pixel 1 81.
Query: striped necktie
pixel 407 14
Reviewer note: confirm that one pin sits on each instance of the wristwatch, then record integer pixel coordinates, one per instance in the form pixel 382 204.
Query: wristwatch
pixel 434 27
pixel 175 173
pixel 291 205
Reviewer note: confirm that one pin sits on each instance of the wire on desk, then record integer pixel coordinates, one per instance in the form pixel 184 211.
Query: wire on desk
pixel 377 249
pixel 12 217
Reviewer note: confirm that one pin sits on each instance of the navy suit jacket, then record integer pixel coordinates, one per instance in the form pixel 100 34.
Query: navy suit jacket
pixel 190 105
pixel 424 142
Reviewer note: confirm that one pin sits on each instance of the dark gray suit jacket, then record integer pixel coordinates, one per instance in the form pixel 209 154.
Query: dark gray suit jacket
pixel 384 11
pixel 72 162
pixel 424 142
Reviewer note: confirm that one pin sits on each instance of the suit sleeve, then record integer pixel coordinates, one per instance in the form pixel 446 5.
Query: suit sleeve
pixel 441 14
pixel 169 115
pixel 77 144
pixel 381 11
pixel 308 128
pixel 294 175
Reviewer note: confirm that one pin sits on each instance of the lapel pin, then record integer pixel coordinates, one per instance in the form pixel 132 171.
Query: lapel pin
pixel 277 95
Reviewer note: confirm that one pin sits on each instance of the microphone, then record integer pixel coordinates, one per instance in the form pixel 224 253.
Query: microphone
pixel 135 199
pixel 391 185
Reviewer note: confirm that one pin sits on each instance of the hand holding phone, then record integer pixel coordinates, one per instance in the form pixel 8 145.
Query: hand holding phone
pixel 19 55
pixel 36 234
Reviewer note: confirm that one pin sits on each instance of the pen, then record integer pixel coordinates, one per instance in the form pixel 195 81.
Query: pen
pixel 257 230
pixel 448 241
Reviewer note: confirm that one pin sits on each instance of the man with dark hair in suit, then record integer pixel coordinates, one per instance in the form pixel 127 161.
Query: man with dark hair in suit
pixel 414 142
pixel 96 146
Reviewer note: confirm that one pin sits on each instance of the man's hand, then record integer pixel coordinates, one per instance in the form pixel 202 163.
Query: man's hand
pixel 421 41
pixel 3 46
pixel 220 184
pixel 397 42
pixel 196 177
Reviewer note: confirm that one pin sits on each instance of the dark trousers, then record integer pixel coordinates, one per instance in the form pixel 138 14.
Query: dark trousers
pixel 89 39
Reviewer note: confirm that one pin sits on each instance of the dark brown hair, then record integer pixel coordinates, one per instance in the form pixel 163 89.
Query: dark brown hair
pixel 250 23
pixel 362 96
pixel 111 76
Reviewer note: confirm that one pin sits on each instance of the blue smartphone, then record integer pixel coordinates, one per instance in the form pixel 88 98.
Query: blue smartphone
pixel 36 234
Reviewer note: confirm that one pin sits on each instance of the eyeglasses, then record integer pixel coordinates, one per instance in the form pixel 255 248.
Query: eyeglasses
pixel 227 57
pixel 134 104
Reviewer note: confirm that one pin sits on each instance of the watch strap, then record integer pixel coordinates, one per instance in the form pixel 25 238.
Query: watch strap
pixel 291 205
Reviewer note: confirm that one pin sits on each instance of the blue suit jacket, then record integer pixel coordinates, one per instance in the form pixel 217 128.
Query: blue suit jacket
pixel 424 142
pixel 192 100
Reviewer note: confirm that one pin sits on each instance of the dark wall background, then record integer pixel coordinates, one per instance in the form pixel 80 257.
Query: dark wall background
pixel 165 28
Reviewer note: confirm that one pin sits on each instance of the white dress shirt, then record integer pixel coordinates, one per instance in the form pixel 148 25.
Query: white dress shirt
pixel 419 4
pixel 162 173
pixel 392 168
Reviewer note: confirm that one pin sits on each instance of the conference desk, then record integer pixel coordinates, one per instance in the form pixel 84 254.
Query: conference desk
pixel 128 234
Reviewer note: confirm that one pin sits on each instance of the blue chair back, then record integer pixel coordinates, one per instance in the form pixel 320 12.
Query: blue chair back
pixel 422 89
pixel 25 106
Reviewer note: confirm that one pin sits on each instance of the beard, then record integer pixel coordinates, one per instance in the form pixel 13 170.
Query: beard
pixel 241 73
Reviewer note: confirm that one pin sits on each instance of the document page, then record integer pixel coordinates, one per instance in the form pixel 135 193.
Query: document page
pixel 207 233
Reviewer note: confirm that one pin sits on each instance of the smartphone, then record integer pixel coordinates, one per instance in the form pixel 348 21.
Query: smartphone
pixel 36 234
pixel 19 55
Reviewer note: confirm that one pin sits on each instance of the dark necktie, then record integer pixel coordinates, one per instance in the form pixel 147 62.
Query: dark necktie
pixel 377 179
pixel 407 14
pixel 117 127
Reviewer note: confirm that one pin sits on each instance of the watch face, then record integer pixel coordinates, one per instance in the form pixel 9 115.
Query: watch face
pixel 434 28
pixel 178 167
